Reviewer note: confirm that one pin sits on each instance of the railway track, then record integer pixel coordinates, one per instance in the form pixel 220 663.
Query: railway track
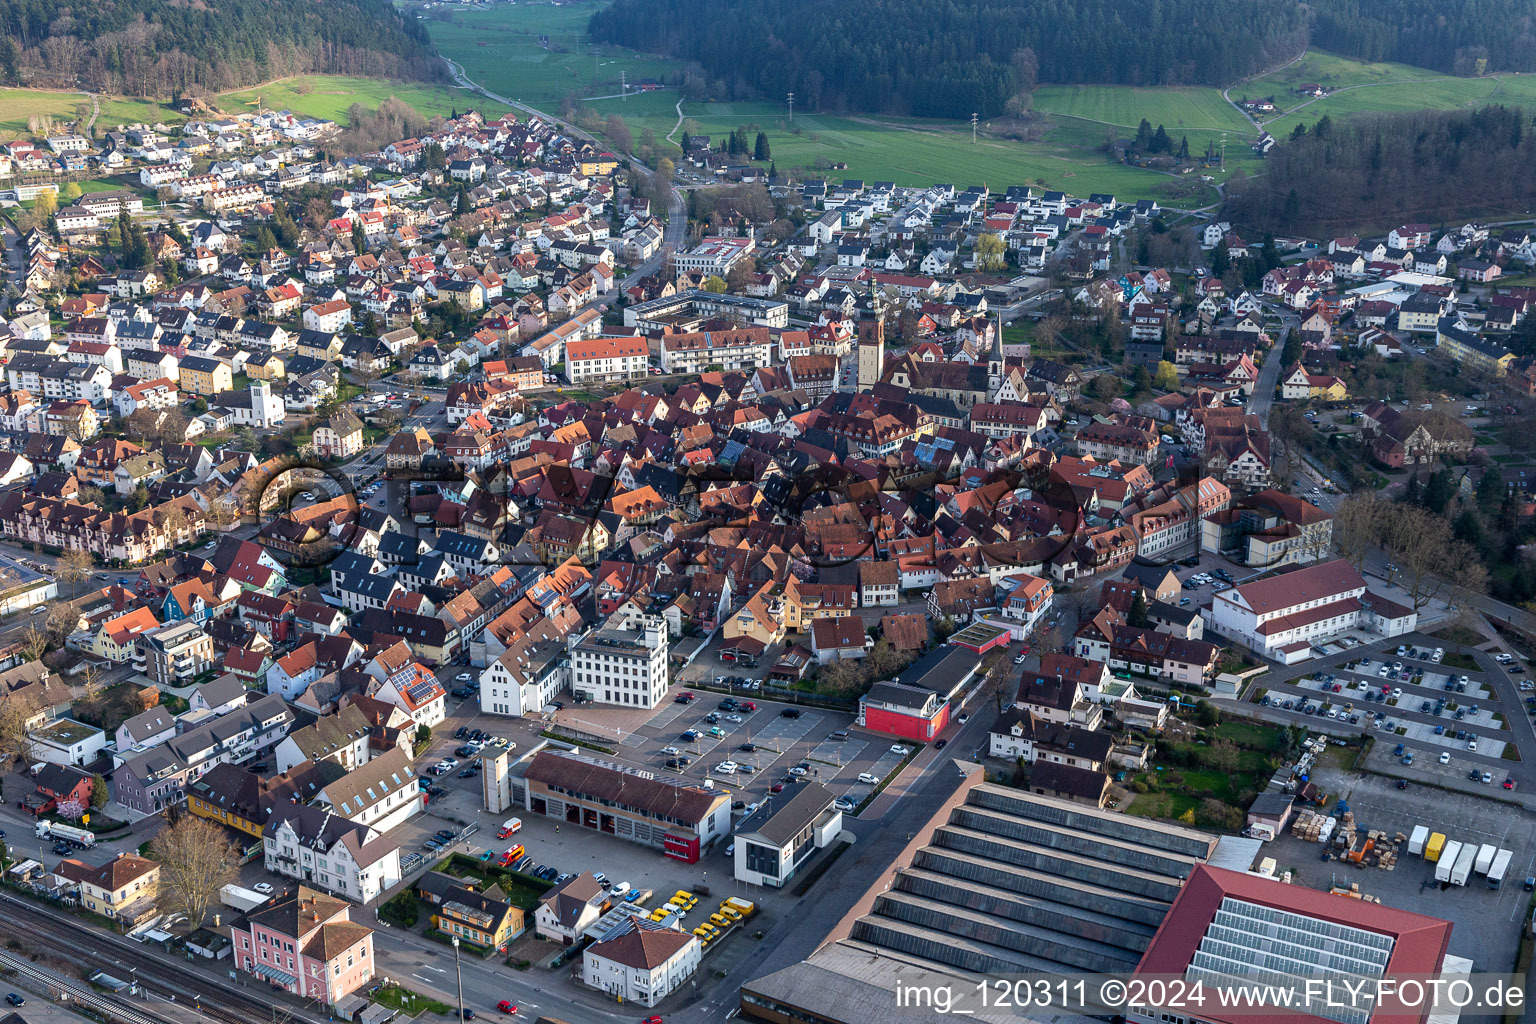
pixel 216 998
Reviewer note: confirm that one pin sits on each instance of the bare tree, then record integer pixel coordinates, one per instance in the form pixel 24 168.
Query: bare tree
pixel 16 711
pixel 91 678
pixel 1358 526
pixel 74 568
pixel 196 861
pixel 34 643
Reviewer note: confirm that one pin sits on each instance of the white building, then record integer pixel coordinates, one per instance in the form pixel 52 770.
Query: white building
pixel 383 793
pixel 715 256
pixel 738 349
pixel 606 359
pixel 776 842
pixel 522 680
pixel 1283 616
pixel 625 667
pixel 327 851
pixel 643 963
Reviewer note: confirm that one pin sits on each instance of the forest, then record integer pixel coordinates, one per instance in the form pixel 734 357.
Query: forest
pixel 168 49
pixel 952 58
pixel 1460 37
pixel 1429 166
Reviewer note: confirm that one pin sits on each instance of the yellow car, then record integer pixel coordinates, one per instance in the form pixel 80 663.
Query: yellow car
pixel 701 932
pixel 719 920
pixel 731 912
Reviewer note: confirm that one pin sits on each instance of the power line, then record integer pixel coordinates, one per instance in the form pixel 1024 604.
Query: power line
pixel 973 129
pixel 791 108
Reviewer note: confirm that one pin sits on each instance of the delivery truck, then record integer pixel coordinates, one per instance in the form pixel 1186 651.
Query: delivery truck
pixel 67 833
pixel 1499 867
pixel 1464 861
pixel 744 907
pixel 1484 858
pixel 1416 840
pixel 1434 846
pixel 1447 861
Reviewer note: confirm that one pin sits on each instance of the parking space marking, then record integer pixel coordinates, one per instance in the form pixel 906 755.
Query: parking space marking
pixel 837 752
pixel 782 733
pixel 666 716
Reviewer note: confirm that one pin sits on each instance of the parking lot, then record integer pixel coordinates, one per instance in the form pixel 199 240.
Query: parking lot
pixel 1487 921
pixel 1429 707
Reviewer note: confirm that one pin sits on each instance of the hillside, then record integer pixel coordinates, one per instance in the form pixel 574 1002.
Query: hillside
pixel 955 57
pixel 1377 170
pixel 164 48
pixel 1460 37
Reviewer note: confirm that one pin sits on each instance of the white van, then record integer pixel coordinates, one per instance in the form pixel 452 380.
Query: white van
pixel 510 827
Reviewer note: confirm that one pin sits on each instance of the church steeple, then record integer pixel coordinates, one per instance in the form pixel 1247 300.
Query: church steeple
pixel 995 360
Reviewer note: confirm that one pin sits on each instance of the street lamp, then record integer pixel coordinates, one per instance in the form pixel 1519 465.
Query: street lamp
pixel 458 977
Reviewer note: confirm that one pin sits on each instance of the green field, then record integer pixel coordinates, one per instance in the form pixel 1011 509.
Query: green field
pixel 18 105
pixel 1178 109
pixel 1360 87
pixel 329 96
pixel 501 49
pixel 910 152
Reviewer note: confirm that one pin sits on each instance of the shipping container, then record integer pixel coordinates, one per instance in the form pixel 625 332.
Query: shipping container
pixel 1447 861
pixel 1434 847
pixel 1500 865
pixel 1485 854
pixel 1463 868
pixel 1416 840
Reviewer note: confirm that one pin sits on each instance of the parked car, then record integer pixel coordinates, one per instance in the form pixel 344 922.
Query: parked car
pixel 869 779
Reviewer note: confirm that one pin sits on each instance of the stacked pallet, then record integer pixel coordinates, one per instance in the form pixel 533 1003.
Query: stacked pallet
pixel 1308 826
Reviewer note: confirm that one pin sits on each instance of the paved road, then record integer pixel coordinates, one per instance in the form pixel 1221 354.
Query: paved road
pixel 1269 373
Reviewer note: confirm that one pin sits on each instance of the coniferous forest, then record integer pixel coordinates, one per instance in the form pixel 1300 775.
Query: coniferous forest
pixel 951 58
pixel 1430 166
pixel 164 48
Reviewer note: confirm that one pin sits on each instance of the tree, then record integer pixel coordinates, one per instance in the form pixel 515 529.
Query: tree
pixel 72 809
pixel 1143 135
pixel 44 206
pixel 90 680
pixel 618 133
pixel 1167 376
pixel 1221 259
pixel 1105 387
pixel 991 253
pixel 359 239
pixel 74 567
pixel 423 736
pixel 196 861
pixel 714 283
pixel 760 150
pixel 99 794
pixel 1137 617
pixel 16 712
pixel 34 643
